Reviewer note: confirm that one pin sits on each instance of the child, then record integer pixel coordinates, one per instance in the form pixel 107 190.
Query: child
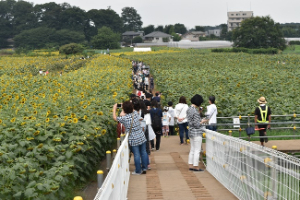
pixel 165 122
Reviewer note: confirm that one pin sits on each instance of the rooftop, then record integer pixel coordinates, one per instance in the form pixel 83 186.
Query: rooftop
pixel 157 34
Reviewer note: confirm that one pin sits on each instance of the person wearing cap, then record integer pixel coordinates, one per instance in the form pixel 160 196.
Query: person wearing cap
pixel 196 129
pixel 263 118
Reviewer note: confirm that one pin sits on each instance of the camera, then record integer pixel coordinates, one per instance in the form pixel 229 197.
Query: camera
pixel 119 105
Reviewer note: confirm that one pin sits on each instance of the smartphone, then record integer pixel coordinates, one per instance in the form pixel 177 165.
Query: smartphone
pixel 119 105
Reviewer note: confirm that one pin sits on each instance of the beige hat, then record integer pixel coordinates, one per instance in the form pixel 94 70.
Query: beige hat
pixel 262 100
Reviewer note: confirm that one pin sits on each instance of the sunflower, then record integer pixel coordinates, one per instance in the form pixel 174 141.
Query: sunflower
pixel 75 120
pixel 13 120
pixel 36 133
pixel 73 115
pixel 55 116
pixel 85 117
pixel 103 132
pixel 66 118
pixel 35 112
pixel 84 107
pixel 48 113
pixel 100 113
pixel 23 123
pixel 62 124
pixel 0 121
pixel 47 120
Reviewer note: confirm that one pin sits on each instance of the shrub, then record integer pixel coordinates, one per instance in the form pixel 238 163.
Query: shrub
pixel 72 48
pixel 137 39
pixel 245 50
pixel 294 43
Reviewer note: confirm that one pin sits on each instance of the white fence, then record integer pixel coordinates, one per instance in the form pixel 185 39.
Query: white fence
pixel 250 171
pixel 115 185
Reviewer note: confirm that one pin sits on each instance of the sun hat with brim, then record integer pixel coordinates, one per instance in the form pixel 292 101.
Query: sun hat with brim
pixel 262 100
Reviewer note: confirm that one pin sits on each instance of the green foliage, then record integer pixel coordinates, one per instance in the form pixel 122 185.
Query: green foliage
pixel 176 37
pixel 137 39
pixel 106 38
pixel 131 19
pixel 148 29
pixel 259 32
pixel 72 48
pixel 245 50
pixel 237 80
pixel 294 43
pixel 166 39
pixel 159 28
pixel 199 28
pixel 43 37
pixel 180 28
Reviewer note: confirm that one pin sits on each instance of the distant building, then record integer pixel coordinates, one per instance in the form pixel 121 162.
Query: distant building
pixel 193 35
pixel 157 37
pixel 132 34
pixel 235 18
pixel 216 32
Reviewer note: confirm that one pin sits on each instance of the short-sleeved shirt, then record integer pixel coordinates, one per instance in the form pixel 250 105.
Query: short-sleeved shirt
pixel 194 118
pixel 172 114
pixel 166 118
pixel 257 112
pixel 136 137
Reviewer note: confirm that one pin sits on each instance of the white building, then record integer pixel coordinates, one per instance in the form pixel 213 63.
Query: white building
pixel 235 18
pixel 216 32
pixel 157 37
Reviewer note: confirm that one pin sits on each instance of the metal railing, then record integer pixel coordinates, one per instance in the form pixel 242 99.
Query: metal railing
pixel 115 185
pixel 252 172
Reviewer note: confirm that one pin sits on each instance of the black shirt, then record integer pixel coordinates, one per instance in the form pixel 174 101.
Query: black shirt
pixel 257 112
pixel 147 103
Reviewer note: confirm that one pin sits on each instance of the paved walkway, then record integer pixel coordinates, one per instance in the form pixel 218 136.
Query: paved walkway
pixel 169 177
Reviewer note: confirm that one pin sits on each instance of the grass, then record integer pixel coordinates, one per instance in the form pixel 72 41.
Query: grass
pixel 293 49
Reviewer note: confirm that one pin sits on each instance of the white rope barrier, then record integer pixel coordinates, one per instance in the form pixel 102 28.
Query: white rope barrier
pixel 115 185
pixel 252 172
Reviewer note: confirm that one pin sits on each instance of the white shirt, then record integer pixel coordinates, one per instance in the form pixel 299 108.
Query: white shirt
pixel 180 112
pixel 146 81
pixel 147 118
pixel 212 113
pixel 165 119
pixel 172 114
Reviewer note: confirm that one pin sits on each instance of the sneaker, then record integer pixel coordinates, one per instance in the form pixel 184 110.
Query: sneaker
pixel 198 170
pixel 149 167
pixel 191 169
pixel 144 172
pixel 152 149
pixel 134 173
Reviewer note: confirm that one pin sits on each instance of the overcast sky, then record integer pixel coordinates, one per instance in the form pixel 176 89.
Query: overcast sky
pixel 193 12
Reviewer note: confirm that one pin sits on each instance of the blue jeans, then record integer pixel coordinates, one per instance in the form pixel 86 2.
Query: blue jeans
pixel 213 128
pixel 182 129
pixel 140 153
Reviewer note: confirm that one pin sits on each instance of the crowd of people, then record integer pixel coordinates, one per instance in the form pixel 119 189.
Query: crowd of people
pixel 146 121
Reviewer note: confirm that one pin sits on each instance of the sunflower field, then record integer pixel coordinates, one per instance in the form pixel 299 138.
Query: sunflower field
pixel 237 80
pixel 54 129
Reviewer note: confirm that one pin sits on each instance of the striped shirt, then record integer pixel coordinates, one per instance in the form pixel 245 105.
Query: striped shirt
pixel 194 119
pixel 136 137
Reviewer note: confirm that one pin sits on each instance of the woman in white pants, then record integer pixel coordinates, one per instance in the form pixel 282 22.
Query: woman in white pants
pixel 196 130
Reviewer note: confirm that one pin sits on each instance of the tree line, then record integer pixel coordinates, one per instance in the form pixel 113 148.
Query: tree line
pixel 52 25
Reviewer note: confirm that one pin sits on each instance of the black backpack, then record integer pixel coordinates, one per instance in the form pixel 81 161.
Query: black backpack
pixel 156 120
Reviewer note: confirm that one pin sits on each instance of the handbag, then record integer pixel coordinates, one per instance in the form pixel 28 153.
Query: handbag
pixel 250 130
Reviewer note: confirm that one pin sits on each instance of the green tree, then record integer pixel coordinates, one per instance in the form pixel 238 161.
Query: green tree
pixel 35 38
pixel 66 36
pixel 199 28
pixel 72 48
pixel 105 17
pixel 159 28
pixel 259 32
pixel 180 28
pixel 176 37
pixel 137 39
pixel 131 19
pixel 148 29
pixel 106 38
pixel 169 29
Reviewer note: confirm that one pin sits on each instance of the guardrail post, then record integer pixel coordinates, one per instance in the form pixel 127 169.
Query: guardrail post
pixel 249 137
pixel 118 143
pixel 78 198
pixel 99 178
pixel 114 154
pixel 108 159
pixel 122 137
pixel 274 175
pixel 230 132
pixel 294 119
